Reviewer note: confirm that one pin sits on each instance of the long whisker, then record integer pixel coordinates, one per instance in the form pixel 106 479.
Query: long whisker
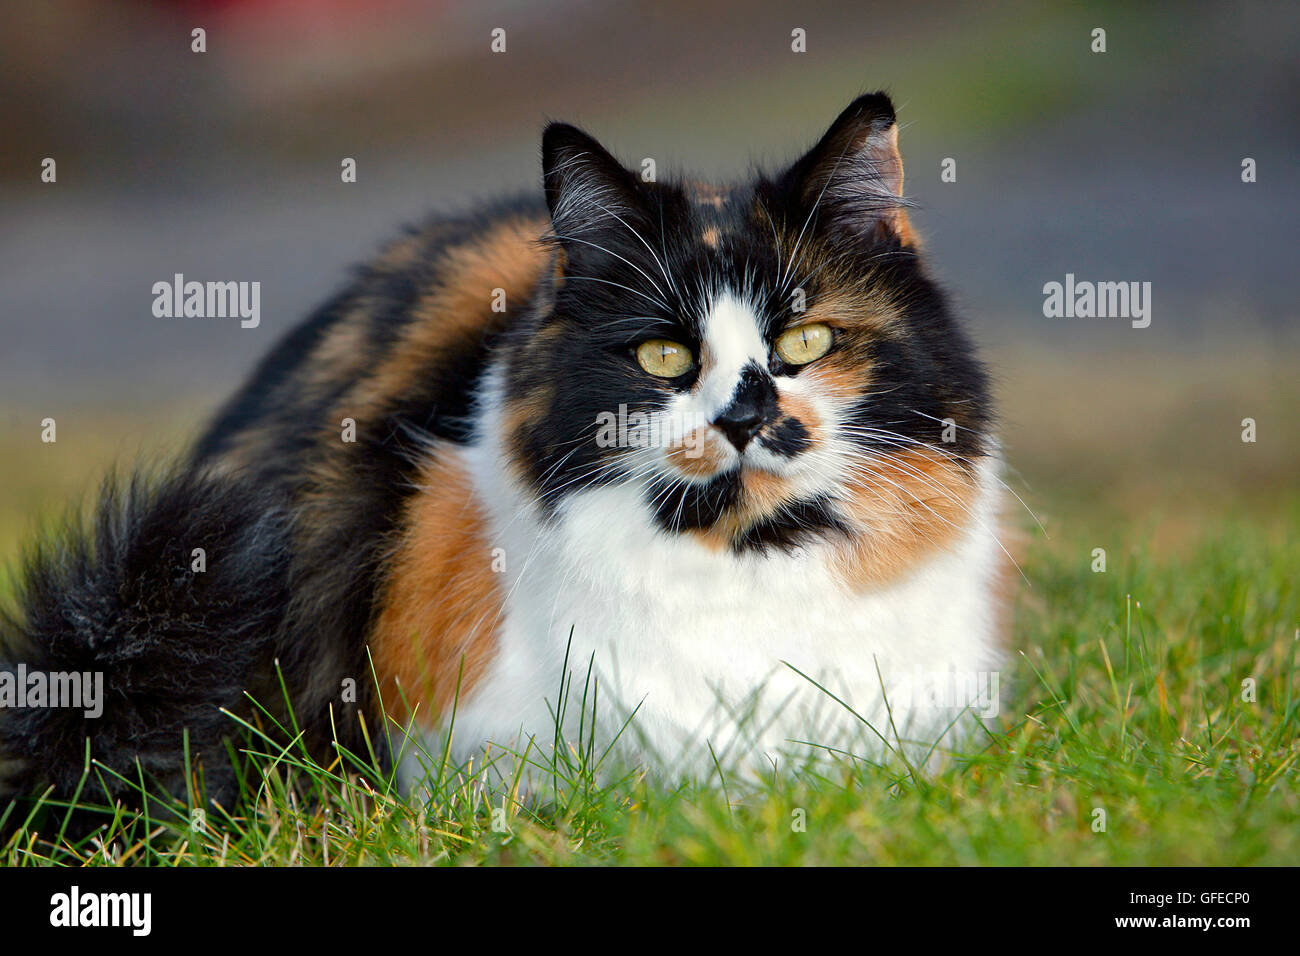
pixel 596 245
pixel 879 434
pixel 640 239
pixel 941 493
pixel 659 302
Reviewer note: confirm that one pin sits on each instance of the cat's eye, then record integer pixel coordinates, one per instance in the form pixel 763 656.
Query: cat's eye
pixel 664 359
pixel 804 343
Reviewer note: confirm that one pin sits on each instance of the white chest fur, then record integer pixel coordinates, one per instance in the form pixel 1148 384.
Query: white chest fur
pixel 704 644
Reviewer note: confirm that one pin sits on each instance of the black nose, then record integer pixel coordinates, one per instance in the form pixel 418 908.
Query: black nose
pixel 739 423
pixel 752 407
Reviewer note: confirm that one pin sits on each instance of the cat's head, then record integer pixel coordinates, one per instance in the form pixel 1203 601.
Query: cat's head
pixel 767 362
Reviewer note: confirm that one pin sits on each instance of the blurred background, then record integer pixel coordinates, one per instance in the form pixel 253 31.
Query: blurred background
pixel 225 165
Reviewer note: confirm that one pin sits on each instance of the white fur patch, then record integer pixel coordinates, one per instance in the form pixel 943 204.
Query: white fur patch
pixel 732 340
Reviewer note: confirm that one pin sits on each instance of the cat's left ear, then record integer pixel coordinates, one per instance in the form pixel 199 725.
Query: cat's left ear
pixel 587 189
pixel 853 177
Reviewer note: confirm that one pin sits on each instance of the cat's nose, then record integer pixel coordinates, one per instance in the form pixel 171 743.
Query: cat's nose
pixel 752 406
pixel 740 423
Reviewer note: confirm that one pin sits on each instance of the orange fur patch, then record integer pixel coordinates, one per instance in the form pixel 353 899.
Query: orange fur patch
pixel 700 457
pixel 507 257
pixel 903 228
pixel 800 409
pixel 558 271
pixel 520 417
pixel 890 165
pixel 522 414
pixel 442 601
pixel 764 492
pixel 851 309
pixel 707 194
pixel 343 353
pixel 838 378
pixel 401 253
pixel 904 509
pixel 457 310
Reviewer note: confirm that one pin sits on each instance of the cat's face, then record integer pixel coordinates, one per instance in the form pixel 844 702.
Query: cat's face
pixel 767 362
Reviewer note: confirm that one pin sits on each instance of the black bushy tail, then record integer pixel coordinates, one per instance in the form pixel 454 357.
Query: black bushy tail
pixel 176 635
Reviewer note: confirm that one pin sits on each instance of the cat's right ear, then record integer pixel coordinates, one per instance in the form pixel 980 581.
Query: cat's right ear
pixel 587 189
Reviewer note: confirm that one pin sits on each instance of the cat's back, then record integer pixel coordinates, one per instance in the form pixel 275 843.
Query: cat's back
pixel 398 351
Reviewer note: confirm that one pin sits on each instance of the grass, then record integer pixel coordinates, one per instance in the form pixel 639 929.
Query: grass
pixel 1124 694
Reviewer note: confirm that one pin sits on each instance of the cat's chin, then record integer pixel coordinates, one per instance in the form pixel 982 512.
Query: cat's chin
pixel 758 460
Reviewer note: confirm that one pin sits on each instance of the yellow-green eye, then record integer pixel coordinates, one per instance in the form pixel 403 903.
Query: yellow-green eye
pixel 804 343
pixel 664 359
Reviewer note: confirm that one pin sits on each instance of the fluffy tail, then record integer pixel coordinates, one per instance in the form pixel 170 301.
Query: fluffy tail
pixel 169 599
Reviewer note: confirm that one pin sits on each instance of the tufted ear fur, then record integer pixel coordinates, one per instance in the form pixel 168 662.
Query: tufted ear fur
pixel 853 177
pixel 586 187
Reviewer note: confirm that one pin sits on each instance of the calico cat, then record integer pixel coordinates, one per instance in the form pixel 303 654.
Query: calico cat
pixel 724 454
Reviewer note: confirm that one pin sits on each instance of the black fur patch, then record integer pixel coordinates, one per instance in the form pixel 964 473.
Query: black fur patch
pixel 174 645
pixel 787 437
pixel 692 507
pixel 792 525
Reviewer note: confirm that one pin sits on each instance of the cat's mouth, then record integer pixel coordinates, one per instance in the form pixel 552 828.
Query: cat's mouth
pixel 708 454
pixel 757 458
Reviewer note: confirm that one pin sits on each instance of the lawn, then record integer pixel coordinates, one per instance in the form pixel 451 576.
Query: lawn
pixel 1149 711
